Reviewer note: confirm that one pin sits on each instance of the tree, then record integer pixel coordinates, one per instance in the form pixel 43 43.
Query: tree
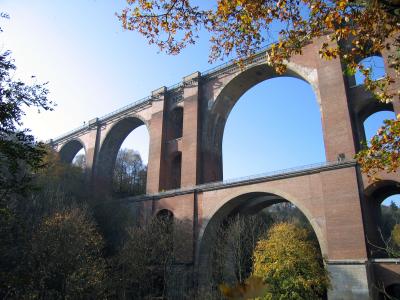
pixel 141 269
pixel 19 152
pixel 290 264
pixel 355 29
pixel 129 173
pixel 66 254
pixel 20 157
pixel 233 247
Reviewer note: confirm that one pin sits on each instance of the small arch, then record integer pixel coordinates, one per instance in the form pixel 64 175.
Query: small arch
pixel 70 149
pixel 175 123
pixel 377 65
pixel 176 170
pixel 376 224
pixel 369 116
pixel 375 121
pixel 165 215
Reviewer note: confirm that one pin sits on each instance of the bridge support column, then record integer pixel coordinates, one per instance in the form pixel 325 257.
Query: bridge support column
pixel 92 148
pixel 336 122
pixel 155 168
pixel 345 235
pixel 190 137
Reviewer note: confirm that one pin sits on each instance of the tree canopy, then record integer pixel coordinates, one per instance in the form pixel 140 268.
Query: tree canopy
pixel 355 29
pixel 290 264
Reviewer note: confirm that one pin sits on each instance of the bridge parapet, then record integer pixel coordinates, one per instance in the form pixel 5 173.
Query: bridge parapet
pixel 257 178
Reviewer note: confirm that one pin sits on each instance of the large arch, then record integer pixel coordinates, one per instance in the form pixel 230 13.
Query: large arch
pixel 226 99
pixel 70 149
pixel 248 202
pixel 111 145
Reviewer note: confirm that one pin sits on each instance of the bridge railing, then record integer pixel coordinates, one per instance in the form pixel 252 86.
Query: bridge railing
pixel 139 102
pixel 125 108
pixel 310 168
pixel 69 133
pixel 234 61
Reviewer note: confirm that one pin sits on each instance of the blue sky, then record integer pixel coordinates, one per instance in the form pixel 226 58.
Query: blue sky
pixel 93 67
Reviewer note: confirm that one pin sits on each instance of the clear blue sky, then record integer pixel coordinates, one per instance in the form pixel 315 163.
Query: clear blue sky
pixel 93 67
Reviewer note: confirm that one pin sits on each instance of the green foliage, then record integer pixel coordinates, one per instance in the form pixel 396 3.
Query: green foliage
pixel 290 264
pixel 388 245
pixel 396 235
pixel 19 153
pixel 390 216
pixel 25 236
pixel 129 173
pixel 20 157
pixel 233 247
pixel 383 153
pixel 141 269
pixel 113 218
pixel 66 257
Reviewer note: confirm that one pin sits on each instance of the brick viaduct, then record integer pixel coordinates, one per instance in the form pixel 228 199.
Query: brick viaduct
pixel 186 124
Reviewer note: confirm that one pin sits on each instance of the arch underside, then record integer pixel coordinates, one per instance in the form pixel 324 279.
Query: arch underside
pixel 69 150
pixel 244 204
pixel 111 145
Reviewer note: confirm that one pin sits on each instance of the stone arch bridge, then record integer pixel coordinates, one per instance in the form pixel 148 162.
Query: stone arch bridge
pixel 186 124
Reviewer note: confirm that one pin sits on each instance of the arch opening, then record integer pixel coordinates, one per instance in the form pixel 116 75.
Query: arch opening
pixel 80 159
pixel 376 65
pixel 276 122
pixel 176 171
pixel 390 292
pixel 383 219
pixel 123 156
pixel 73 152
pixel 175 127
pixel 244 215
pixel 165 215
pixel 375 121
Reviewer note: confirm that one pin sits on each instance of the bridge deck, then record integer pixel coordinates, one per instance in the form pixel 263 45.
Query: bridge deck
pixel 269 176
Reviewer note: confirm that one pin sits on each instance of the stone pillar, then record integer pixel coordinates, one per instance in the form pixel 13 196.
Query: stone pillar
pixel 190 136
pixel 155 171
pixel 336 122
pixel 349 280
pixel 92 148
